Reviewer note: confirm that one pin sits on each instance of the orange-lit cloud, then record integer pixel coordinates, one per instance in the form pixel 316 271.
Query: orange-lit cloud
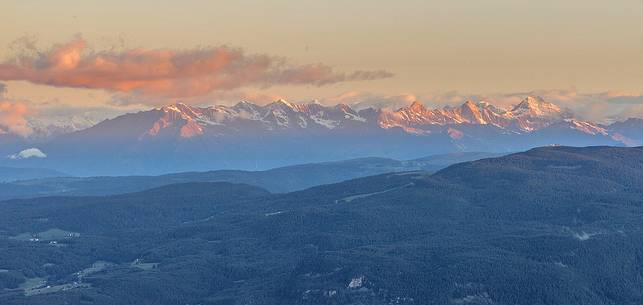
pixel 167 72
pixel 13 118
pixel 13 115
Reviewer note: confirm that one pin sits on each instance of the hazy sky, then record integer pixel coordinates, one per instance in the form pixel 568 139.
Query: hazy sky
pixel 431 47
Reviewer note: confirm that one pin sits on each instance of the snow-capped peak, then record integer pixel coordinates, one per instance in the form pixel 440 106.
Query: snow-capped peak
pixel 536 106
pixel 471 113
pixel 533 113
pixel 176 107
pixel 278 115
pixel 287 103
pixel 243 103
pixel 417 107
pixel 490 107
pixel 470 104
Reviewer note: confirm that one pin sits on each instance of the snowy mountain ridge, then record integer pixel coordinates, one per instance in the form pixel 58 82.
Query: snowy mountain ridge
pixel 533 113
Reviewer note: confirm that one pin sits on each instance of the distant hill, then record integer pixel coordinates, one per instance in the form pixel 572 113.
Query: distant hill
pixel 8 174
pixel 553 225
pixel 278 180
pixel 440 161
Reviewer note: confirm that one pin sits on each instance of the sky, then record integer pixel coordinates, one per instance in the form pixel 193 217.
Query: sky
pixel 102 58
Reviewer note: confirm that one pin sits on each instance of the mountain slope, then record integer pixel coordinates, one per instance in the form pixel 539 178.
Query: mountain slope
pixel 629 131
pixel 554 225
pixel 440 161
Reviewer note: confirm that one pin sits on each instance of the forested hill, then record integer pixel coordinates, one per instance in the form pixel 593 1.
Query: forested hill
pixel 277 180
pixel 553 225
pixel 601 162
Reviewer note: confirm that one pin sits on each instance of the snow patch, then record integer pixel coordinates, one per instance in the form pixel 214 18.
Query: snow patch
pixel 280 118
pixel 302 122
pixel 330 124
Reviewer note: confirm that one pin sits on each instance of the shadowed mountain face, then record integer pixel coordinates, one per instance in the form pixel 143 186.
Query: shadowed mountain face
pixel 246 136
pixel 631 130
pixel 554 225
pixel 278 180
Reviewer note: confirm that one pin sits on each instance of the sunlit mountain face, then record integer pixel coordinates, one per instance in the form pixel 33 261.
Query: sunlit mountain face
pixel 250 136
pixel 184 121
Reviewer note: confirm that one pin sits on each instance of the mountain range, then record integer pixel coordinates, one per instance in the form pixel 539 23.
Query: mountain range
pixel 180 137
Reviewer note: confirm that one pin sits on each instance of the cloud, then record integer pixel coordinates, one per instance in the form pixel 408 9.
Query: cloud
pixel 3 90
pixel 224 97
pixel 28 153
pixel 13 118
pixel 167 72
pixel 362 100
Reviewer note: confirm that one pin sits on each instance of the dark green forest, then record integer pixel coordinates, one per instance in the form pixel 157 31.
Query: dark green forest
pixel 553 225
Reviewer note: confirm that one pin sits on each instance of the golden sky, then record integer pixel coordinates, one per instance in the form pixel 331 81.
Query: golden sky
pixel 472 47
